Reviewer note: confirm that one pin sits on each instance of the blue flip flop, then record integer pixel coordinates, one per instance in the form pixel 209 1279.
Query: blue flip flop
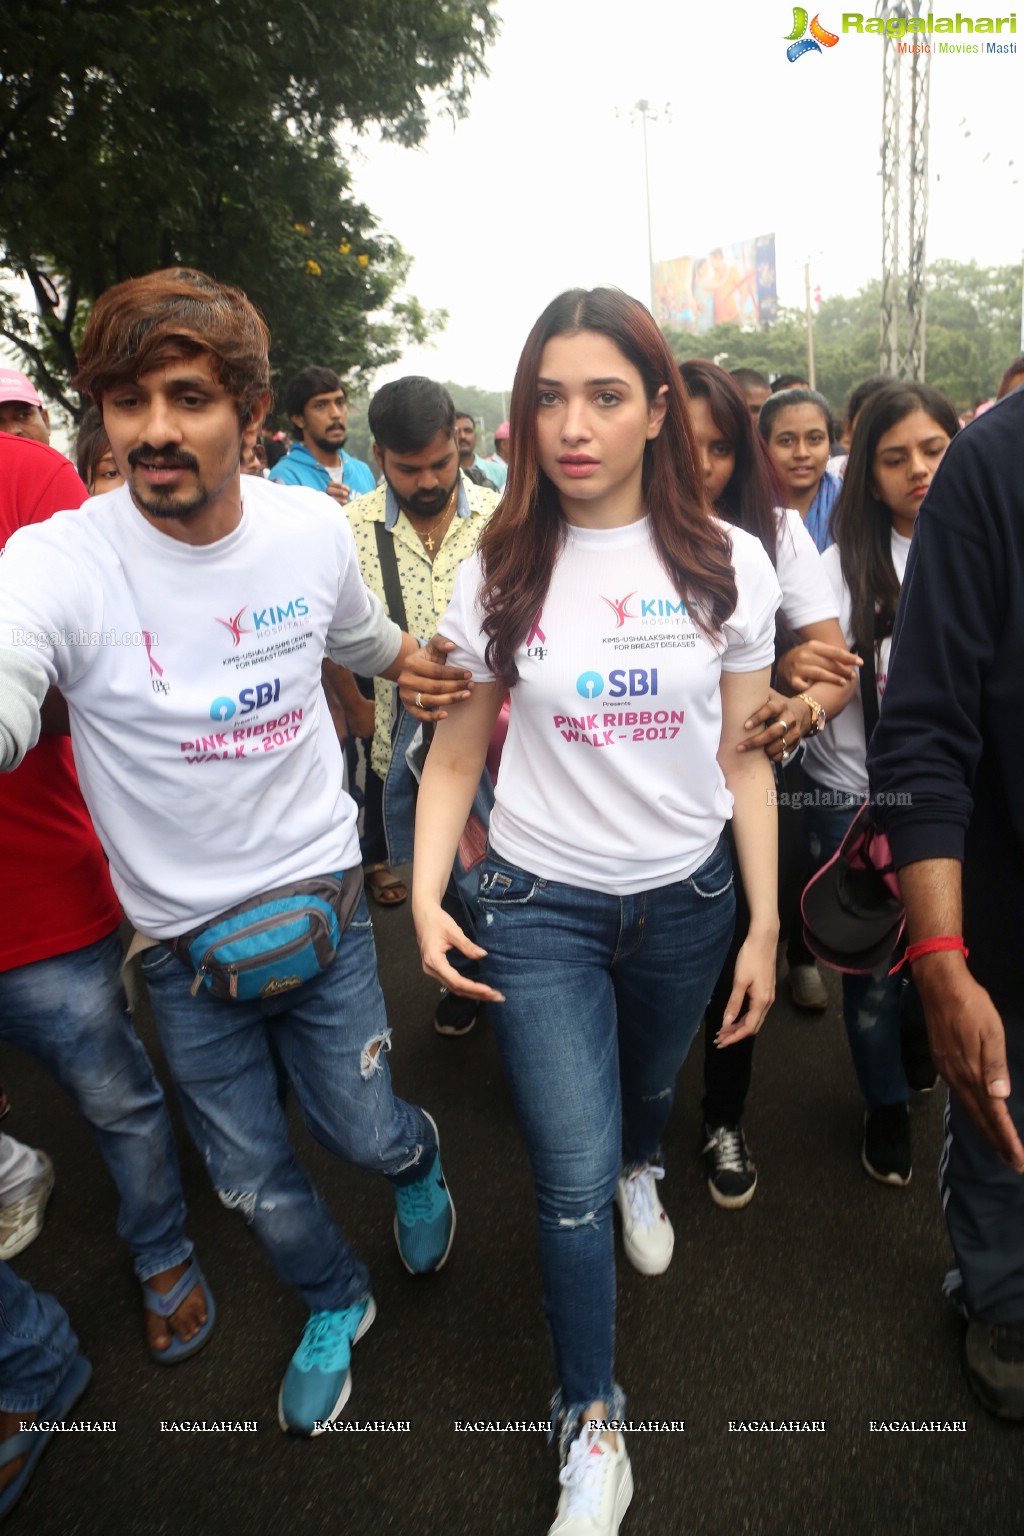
pixel 32 1443
pixel 166 1306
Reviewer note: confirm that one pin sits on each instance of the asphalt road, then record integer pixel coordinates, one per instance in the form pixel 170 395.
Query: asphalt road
pixel 820 1301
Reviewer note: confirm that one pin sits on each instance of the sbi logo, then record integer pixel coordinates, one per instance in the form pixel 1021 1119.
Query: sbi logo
pixel 636 682
pixel 249 699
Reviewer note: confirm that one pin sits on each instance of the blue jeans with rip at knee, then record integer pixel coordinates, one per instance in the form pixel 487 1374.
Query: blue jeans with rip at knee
pixel 331 1038
pixel 603 996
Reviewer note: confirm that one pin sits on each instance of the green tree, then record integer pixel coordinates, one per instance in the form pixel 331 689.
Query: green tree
pixel 972 332
pixel 205 133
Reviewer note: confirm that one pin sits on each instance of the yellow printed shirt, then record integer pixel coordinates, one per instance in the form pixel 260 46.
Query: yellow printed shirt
pixel 426 588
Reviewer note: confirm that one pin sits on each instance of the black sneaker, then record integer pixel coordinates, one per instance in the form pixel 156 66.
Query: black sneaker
pixel 886 1150
pixel 732 1177
pixel 455 1015
pixel 995 1366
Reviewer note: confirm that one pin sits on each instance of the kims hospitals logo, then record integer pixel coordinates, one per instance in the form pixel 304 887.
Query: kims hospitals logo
pixel 800 43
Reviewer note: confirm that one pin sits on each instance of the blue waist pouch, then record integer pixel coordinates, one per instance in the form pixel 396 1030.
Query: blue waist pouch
pixel 274 942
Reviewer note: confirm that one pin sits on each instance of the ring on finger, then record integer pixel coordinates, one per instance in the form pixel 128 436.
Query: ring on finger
pixel 419 701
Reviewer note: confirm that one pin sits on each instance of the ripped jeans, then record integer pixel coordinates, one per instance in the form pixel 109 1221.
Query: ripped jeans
pixel 604 995
pixel 331 1037
pixel 872 1004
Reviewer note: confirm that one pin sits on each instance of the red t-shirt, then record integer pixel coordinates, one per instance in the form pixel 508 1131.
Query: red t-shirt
pixel 55 891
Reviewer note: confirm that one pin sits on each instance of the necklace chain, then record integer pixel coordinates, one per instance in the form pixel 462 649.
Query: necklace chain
pixel 427 539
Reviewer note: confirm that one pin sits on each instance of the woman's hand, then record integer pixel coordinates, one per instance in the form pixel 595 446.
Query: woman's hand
pixel 426 683
pixel 753 983
pixel 815 662
pixel 437 933
pixel 777 727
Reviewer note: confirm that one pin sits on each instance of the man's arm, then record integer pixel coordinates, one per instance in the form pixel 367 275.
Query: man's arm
pixel 965 1032
pixel 922 762
pixel 23 686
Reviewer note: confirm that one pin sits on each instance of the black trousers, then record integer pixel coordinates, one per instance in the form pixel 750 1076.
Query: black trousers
pixel 727 1071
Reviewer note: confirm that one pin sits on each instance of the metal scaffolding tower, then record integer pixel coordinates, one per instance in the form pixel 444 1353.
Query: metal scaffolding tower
pixel 905 78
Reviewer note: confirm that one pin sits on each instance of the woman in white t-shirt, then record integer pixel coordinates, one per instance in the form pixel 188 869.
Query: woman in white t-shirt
pixel 816 678
pixel 899 439
pixel 636 633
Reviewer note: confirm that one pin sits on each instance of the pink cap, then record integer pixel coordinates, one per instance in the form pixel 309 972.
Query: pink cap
pixel 500 433
pixel 15 386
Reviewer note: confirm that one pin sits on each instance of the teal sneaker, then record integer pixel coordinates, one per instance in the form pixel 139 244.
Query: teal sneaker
pixel 424 1218
pixel 318 1380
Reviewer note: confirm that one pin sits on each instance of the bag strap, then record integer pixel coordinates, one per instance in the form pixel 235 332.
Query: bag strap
pixel 869 686
pixel 389 576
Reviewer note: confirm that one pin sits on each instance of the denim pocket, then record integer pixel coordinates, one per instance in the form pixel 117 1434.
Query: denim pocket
pixel 505 885
pixel 714 877
pixel 152 961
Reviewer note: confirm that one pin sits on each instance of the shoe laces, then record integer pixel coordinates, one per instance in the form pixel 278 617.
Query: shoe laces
pixel 727 1145
pixel 583 1476
pixel 642 1196
pixel 419 1201
pixel 326 1335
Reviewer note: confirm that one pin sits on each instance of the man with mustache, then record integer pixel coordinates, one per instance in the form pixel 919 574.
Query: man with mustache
pixel 411 536
pixel 185 618
pixel 317 407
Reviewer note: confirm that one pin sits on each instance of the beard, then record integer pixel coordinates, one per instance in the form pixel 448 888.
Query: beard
pixel 169 502
pixel 331 444
pixel 426 504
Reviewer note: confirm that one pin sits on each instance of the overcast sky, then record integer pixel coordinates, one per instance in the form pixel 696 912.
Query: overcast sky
pixel 541 188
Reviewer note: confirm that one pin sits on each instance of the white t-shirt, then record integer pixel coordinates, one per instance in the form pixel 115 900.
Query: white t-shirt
pixel 204 747
pixel 807 596
pixel 837 758
pixel 609 778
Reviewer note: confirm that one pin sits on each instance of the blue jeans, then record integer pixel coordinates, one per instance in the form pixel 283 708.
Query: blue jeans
pixel 603 996
pixel 872 1004
pixel 37 1344
pixel 69 1013
pixel 331 1037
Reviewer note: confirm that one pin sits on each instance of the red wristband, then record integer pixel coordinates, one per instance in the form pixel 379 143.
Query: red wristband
pixel 946 941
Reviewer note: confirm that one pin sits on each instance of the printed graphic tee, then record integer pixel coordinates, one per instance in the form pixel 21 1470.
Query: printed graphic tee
pixel 837 758
pixel 204 748
pixel 609 775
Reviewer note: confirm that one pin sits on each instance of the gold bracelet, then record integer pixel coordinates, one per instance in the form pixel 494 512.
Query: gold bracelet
pixel 818 716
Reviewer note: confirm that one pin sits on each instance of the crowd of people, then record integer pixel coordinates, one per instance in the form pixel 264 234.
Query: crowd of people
pixel 683 596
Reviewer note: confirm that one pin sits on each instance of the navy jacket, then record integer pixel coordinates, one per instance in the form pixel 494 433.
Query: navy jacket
pixel 951 733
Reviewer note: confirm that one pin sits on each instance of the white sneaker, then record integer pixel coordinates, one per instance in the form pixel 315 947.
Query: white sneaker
pixel 22 1221
pixel 597 1485
pixel 807 988
pixel 647 1234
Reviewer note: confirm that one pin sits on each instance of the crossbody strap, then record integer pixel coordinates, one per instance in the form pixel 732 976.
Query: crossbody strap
pixel 389 576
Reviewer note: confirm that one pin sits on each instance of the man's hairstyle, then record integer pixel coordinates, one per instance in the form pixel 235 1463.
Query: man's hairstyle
pixel 789 381
pixel 310 382
pixel 749 377
pixel 406 415
pixel 151 321
pixel 468 416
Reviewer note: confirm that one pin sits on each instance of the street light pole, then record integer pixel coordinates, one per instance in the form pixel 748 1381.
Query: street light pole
pixel 644 107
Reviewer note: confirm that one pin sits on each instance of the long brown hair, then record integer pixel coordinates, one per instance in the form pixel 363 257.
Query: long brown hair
pixel 524 537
